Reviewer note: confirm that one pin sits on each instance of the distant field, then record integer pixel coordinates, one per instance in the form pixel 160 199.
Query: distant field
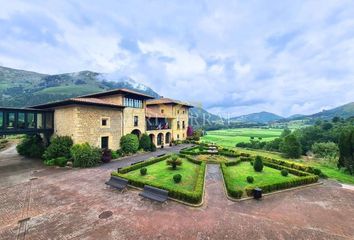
pixel 229 137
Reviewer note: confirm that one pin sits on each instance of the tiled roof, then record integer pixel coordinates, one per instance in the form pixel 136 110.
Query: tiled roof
pixel 166 101
pixel 118 91
pixel 84 101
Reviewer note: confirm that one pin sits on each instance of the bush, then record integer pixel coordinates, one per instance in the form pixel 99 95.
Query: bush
pixel 106 155
pixel 258 164
pixel 50 162
pixel 177 178
pixel 115 154
pixel 129 143
pixel 60 161
pixel 153 147
pixel 145 142
pixel 250 179
pixel 327 150
pixel 143 171
pixel 284 172
pixel 85 156
pixel 251 162
pixel 174 161
pixel 31 146
pixel 59 147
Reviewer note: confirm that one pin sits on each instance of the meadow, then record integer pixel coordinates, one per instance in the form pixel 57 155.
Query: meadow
pixel 230 137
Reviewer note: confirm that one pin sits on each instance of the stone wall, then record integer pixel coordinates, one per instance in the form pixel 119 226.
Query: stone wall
pixel 83 124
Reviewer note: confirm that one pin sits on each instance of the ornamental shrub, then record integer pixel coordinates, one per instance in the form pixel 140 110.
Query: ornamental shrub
pixel 258 164
pixel 143 171
pixel 115 154
pixel 60 161
pixel 177 178
pixel 59 147
pixel 85 156
pixel 284 172
pixel 31 146
pixel 129 143
pixel 250 179
pixel 106 155
pixel 145 142
pixel 174 161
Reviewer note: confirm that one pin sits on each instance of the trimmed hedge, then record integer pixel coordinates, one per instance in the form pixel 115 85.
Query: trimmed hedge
pixel 235 193
pixel 193 197
pixel 283 185
pixel 143 164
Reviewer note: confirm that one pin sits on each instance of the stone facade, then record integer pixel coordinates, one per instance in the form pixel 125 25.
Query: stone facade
pixel 84 124
pixel 122 114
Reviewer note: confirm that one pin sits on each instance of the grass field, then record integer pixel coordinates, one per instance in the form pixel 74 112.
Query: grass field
pixel 230 137
pixel 331 172
pixel 238 174
pixel 163 173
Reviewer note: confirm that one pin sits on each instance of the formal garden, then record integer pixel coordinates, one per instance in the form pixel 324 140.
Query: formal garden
pixel 180 175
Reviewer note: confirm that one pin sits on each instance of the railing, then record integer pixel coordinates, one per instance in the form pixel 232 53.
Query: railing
pixel 150 128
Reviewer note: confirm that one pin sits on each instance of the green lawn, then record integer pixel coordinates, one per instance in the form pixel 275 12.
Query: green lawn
pixel 238 174
pixel 213 158
pixel 163 173
pixel 230 137
pixel 331 172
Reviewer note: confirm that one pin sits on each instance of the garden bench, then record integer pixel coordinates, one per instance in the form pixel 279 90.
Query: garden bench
pixel 136 163
pixel 155 194
pixel 117 182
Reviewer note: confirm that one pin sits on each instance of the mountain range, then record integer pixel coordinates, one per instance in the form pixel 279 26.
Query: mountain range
pixel 19 88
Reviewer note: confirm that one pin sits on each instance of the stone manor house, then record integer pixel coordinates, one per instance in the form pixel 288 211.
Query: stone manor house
pixel 101 119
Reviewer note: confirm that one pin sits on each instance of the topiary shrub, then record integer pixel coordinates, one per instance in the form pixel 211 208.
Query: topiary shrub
pixel 143 171
pixel 31 146
pixel 85 156
pixel 129 143
pixel 106 155
pixel 250 179
pixel 177 178
pixel 59 147
pixel 284 172
pixel 174 161
pixel 258 164
pixel 145 142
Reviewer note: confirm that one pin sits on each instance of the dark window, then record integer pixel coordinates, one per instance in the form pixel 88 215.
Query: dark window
pixel 136 121
pixel 104 122
pixel 184 112
pixel 39 120
pixel 183 125
pixel 1 119
pixel 177 111
pixel 21 120
pixel 49 120
pixel 162 110
pixel 30 120
pixel 10 120
pixel 178 125
pixel 104 142
pixel 177 136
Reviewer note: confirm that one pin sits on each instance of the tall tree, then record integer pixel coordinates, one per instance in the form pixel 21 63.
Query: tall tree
pixel 291 147
pixel 346 150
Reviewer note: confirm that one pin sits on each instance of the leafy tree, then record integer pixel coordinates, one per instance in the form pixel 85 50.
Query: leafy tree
pixel 346 150
pixel 129 143
pixel 327 126
pixel 145 142
pixel 335 119
pixel 258 164
pixel 31 146
pixel 273 145
pixel 285 133
pixel 291 147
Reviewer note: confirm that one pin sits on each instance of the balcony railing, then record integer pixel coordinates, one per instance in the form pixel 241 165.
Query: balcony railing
pixel 154 127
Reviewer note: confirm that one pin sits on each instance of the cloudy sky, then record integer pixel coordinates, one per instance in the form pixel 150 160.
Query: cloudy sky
pixel 233 57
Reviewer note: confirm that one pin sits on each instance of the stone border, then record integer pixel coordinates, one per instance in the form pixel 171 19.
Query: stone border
pixel 180 201
pixel 265 194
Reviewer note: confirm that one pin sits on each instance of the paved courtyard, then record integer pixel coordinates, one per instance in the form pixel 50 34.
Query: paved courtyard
pixel 66 204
